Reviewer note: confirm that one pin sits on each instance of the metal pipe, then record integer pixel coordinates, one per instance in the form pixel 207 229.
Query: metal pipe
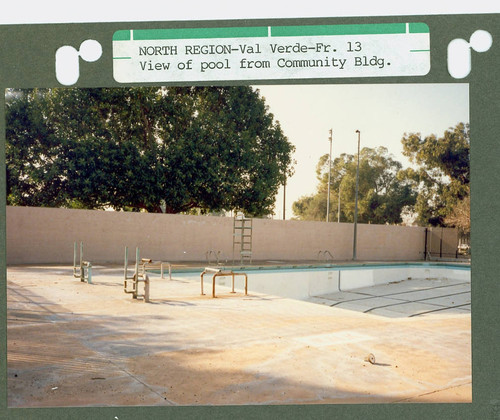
pixel 441 244
pixel 82 273
pixel 220 273
pixel 74 259
pixel 201 281
pixel 356 203
pixel 338 211
pixel 425 245
pixel 75 250
pixel 89 272
pixel 137 260
pixel 223 274
pixel 126 264
pixel 284 197
pixel 329 176
pixel 146 288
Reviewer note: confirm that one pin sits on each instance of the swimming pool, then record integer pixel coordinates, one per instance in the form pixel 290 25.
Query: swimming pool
pixel 302 282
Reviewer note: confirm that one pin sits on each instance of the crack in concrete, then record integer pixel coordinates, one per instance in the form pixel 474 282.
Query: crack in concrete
pixel 432 392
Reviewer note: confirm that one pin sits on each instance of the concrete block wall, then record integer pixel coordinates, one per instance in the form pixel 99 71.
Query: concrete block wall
pixel 46 235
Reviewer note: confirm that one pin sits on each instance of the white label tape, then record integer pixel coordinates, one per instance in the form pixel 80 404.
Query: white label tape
pixel 271 53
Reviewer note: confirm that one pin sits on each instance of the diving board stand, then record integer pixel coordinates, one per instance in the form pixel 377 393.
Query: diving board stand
pixel 220 272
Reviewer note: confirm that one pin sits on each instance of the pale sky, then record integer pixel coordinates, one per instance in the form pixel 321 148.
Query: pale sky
pixel 383 114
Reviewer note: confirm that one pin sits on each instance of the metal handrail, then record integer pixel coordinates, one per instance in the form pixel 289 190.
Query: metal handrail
pixel 217 255
pixel 85 267
pixel 324 253
pixel 148 265
pixel 218 272
pixel 136 278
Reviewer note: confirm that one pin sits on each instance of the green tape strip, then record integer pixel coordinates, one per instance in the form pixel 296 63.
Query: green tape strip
pixel 419 28
pixel 193 33
pixel 263 31
pixel 319 30
pixel 121 36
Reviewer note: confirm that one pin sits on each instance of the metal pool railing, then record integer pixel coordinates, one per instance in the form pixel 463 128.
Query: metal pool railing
pixel 131 284
pixel 84 270
pixel 219 272
pixel 141 268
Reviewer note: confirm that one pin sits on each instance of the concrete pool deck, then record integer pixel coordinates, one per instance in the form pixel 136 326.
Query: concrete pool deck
pixel 77 344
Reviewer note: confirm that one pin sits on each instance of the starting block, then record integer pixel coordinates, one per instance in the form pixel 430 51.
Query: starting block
pixel 220 272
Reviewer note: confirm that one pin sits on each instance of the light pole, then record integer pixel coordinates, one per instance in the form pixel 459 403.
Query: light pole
pixel 284 197
pixel 329 176
pixel 356 203
pixel 338 211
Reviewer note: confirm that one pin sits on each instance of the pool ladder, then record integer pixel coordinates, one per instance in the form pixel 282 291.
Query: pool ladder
pixel 322 255
pixel 242 238
pixel 216 255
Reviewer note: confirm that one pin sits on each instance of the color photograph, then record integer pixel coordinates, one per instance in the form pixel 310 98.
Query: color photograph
pixel 195 282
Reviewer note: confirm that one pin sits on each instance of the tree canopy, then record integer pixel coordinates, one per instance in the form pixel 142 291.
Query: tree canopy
pixel 436 188
pixel 382 195
pixel 442 177
pixel 183 148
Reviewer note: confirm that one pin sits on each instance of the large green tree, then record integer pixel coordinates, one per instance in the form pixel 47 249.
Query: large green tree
pixel 382 195
pixel 442 176
pixel 184 148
